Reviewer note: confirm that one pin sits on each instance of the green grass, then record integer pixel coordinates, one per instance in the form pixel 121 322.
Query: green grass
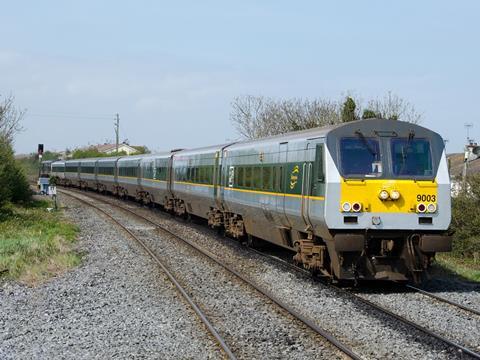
pixel 466 269
pixel 35 244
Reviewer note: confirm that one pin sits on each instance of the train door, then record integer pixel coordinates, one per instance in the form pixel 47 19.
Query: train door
pixel 307 183
pixel 170 175
pixel 317 186
pixel 116 171
pixel 95 171
pixel 280 186
pixel 139 173
pixel 216 179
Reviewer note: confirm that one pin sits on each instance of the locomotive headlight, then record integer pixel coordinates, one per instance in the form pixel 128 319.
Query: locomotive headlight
pixel 383 195
pixel 346 207
pixel 431 208
pixel 356 207
pixel 421 208
pixel 394 195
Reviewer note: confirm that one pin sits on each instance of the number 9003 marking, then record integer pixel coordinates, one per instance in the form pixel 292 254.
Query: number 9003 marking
pixel 428 198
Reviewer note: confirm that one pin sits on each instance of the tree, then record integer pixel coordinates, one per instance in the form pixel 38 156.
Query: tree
pixel 141 150
pixel 466 219
pixel 257 116
pixel 10 119
pixel 92 152
pixel 13 182
pixel 393 107
pixel 348 110
pixel 369 114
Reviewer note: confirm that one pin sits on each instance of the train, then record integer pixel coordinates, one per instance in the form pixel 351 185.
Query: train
pixel 362 200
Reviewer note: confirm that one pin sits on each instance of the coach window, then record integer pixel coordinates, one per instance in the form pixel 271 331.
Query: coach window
pixel 257 177
pixel 248 177
pixel 210 174
pixel 319 163
pixel 231 176
pixel 240 181
pixel 267 171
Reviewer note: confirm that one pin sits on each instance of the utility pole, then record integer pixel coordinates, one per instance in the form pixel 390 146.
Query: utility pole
pixel 117 130
pixel 468 126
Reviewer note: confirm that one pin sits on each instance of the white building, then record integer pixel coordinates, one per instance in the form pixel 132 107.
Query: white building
pixel 111 148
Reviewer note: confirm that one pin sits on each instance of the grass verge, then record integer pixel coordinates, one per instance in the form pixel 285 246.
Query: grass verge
pixel 466 269
pixel 35 244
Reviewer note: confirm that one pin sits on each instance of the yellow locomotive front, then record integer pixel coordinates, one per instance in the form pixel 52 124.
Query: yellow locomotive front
pixel 388 200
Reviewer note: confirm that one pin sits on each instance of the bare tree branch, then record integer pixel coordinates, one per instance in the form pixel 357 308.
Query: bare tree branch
pixel 391 106
pixel 10 119
pixel 257 116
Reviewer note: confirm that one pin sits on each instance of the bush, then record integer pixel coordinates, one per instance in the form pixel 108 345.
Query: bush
pixel 13 182
pixel 466 219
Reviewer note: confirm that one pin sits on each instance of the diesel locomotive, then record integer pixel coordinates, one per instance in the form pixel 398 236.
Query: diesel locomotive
pixel 368 199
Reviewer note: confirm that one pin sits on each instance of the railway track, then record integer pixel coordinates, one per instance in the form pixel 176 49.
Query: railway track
pixel 462 349
pixel 295 314
pixel 444 300
pixel 201 315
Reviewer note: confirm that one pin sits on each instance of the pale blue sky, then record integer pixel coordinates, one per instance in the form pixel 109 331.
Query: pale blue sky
pixel 171 69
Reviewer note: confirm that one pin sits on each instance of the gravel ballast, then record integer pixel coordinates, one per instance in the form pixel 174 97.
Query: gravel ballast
pixel 117 304
pixel 253 327
pixel 371 334
pixel 441 318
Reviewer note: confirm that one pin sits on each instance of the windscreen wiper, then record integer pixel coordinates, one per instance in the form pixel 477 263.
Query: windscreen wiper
pixel 411 135
pixel 365 142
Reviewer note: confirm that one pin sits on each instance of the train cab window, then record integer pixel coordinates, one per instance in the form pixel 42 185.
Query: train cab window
pixel 360 157
pixel 411 157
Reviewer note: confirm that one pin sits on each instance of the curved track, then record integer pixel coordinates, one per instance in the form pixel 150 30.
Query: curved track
pixel 182 291
pixel 459 347
pixel 325 334
pixel 442 299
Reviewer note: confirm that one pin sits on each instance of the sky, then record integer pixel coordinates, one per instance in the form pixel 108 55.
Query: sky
pixel 171 69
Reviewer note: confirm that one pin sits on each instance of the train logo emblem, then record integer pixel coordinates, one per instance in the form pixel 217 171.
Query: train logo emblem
pixel 294 177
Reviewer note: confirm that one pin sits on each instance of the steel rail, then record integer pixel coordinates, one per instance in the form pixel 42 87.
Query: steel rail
pixel 322 332
pixel 442 299
pixel 170 276
pixel 381 309
pixel 404 320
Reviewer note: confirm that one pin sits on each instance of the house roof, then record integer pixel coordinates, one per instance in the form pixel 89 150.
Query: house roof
pixel 457 164
pixel 107 147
